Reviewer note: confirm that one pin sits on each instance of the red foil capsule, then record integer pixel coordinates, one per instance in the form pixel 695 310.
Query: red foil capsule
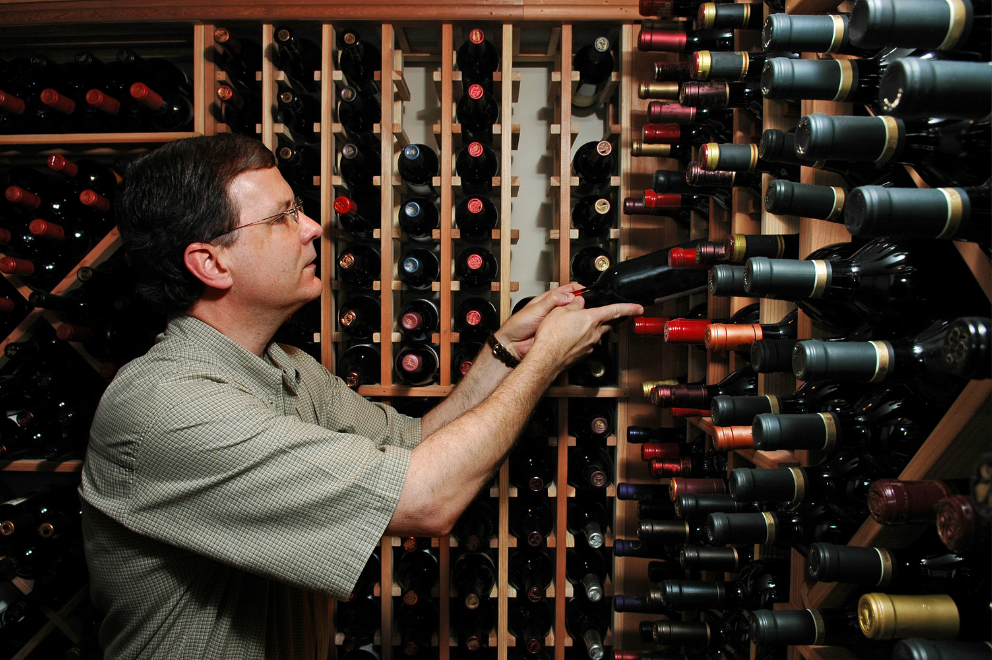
pixel 684 258
pixel 94 200
pixel 654 200
pixel 60 163
pixel 661 133
pixel 61 103
pixel 686 331
pixel 650 325
pixel 11 103
pixel 7 305
pixel 12 266
pixel 727 438
pixel 146 96
pixel 665 41
pixel 101 101
pixel 683 486
pixel 896 502
pixel 663 467
pixel 959 525
pixel 39 227
pixel 682 413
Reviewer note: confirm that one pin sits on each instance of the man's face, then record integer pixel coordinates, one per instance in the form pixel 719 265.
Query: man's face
pixel 272 263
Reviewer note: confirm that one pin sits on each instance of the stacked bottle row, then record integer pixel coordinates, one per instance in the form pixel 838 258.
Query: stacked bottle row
pixel 868 426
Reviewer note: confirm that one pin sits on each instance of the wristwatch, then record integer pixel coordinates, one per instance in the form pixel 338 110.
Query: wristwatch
pixel 500 352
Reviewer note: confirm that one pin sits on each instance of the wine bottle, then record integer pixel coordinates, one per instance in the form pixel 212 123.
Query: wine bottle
pixel 896 571
pixel 728 633
pixel 464 356
pixel 416 574
pixel 298 58
pixel 668 8
pixel 959 526
pixel 899 502
pixel 44 272
pixel 477 59
pixel 531 467
pixel 169 110
pixel 157 72
pixel 925 649
pixel 419 218
pixel 476 267
pixel 693 135
pixel 745 95
pixel 966 347
pixel 359 365
pixel 673 113
pixel 530 573
pixel 359 61
pixel 642 434
pixel 358 112
pixel 477 164
pixel 936 616
pixel 642 492
pixel 417 365
pixel 594 62
pixel 588 520
pixel 739 383
pixel 697 177
pixel 759 585
pixel 915 360
pixel 418 165
pixel 778 528
pixel 586 568
pixel 593 422
pixel 359 265
pixel 418 320
pixel 531 518
pixel 645 280
pixel 125 113
pixel 474 625
pixel 241 59
pixel 300 165
pixel 733 16
pixel 594 370
pixel 70 113
pixel 934 213
pixel 826 627
pixel 593 216
pixel 838 275
pixel 351 218
pixel 742 158
pixel 476 526
pixel 475 218
pixel 477 111
pixel 725 559
pixel 583 621
pixel 697 506
pixel 86 174
pixel 930 25
pixel 473 576
pixel 813 397
pixel 358 166
pixel 726 66
pixel 661 450
pixel 670 41
pixel 241 113
pixel 65 243
pixel 416 624
pixel 594 164
pixel 359 620
pixel 828 34
pixel 915 87
pixel 369 577
pixel 530 624
pixel 943 154
pixel 806 200
pixel 682 152
pixel 739 337
pixel 590 467
pixel 698 203
pixel 419 268
pixel 589 263
pixel 844 81
pixel 475 319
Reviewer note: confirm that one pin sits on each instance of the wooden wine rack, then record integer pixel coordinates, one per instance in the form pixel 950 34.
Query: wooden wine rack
pixel 953 446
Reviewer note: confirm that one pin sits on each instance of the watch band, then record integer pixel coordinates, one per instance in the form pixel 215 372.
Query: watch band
pixel 500 352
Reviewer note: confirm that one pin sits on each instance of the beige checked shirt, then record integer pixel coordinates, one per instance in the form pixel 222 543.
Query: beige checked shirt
pixel 226 498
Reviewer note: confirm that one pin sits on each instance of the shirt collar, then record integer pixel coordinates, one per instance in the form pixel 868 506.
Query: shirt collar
pixel 252 371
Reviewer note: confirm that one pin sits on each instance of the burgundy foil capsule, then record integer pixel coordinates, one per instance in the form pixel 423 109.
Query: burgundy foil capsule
pixel 895 502
pixel 959 525
pixel 654 200
pixel 680 396
pixel 661 133
pixel 650 325
pixel 684 486
pixel 664 467
pixel 686 331
pixel 671 72
pixel 695 175
pixel 659 8
pixel 662 41
pixel 710 253
pixel 670 113
pixel 704 95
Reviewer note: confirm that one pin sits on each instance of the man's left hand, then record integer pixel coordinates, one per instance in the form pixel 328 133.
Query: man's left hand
pixel 517 334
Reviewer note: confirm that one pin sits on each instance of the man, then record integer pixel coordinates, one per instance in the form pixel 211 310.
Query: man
pixel 232 486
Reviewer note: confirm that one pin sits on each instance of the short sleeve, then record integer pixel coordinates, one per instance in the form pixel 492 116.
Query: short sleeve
pixel 225 476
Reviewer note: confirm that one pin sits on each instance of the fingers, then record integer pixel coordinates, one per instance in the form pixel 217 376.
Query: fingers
pixel 617 311
pixel 556 298
pixel 571 286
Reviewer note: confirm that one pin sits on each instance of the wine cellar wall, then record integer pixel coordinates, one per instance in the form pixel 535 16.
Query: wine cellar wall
pixel 372 323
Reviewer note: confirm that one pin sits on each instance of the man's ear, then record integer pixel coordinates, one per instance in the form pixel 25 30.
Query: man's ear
pixel 207 265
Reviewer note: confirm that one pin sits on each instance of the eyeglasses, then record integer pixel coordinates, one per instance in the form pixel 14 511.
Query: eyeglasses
pixel 293 213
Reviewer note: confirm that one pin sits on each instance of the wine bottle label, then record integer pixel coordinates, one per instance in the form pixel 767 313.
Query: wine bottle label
pixel 818 626
pixel 769 527
pixel 886 616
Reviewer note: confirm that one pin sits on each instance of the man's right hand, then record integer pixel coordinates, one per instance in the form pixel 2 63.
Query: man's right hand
pixel 569 333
